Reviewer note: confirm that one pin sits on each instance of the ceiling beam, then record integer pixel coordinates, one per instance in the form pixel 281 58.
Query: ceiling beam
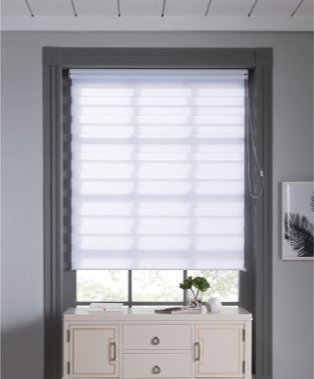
pixel 252 8
pixel 208 7
pixel 29 8
pixel 297 8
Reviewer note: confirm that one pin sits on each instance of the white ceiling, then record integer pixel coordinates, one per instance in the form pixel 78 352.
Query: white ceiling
pixel 220 15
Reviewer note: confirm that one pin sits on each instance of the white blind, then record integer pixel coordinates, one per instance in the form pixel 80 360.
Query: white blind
pixel 158 169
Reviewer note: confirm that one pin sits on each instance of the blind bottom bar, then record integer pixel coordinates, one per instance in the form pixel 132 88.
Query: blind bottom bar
pixel 160 264
pixel 143 266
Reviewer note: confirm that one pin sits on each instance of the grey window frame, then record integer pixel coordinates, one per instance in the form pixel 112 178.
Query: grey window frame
pixel 59 280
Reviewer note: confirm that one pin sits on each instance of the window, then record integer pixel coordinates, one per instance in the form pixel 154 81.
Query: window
pixel 147 287
pixel 157 179
pixel 59 279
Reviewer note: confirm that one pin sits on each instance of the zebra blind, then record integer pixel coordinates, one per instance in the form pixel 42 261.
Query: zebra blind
pixel 158 169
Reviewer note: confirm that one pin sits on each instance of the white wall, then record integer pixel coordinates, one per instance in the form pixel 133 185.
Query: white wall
pixel 22 184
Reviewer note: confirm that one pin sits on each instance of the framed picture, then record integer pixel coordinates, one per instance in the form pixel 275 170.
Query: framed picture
pixel 297 220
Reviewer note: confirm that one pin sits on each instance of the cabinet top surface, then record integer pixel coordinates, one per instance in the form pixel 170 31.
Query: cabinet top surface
pixel 148 314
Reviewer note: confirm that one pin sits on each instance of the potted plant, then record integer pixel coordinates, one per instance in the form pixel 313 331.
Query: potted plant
pixel 196 286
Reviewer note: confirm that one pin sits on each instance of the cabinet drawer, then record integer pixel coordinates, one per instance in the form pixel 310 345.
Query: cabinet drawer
pixel 157 365
pixel 157 337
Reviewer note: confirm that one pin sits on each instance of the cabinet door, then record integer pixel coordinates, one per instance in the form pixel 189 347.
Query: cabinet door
pixel 219 351
pixel 93 351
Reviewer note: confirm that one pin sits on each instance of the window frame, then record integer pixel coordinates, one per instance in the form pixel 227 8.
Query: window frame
pixel 59 280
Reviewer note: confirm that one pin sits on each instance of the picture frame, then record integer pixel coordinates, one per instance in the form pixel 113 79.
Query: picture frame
pixel 297 220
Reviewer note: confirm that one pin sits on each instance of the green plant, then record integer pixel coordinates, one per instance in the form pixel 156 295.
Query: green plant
pixel 195 285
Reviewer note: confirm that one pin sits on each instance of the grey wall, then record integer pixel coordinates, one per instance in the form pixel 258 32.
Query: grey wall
pixel 22 183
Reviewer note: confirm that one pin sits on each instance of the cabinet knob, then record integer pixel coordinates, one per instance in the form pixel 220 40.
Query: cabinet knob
pixel 156 370
pixel 155 341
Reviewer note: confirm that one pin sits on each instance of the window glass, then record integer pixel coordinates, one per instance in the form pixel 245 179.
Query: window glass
pixel 152 285
pixel 102 285
pixel 224 284
pixel 157 285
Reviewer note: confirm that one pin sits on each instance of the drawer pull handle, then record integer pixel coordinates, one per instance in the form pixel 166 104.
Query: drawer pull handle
pixel 113 351
pixel 156 370
pixel 197 351
pixel 155 341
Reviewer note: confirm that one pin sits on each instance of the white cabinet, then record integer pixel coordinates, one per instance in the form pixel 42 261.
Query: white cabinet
pixel 92 351
pixel 138 343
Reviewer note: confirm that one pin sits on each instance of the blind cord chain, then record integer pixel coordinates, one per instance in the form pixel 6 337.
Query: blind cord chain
pixel 251 148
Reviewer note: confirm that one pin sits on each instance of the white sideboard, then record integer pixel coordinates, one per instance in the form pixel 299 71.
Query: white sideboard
pixel 138 343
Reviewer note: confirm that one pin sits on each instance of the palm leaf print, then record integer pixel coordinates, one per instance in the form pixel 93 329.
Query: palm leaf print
pixel 299 234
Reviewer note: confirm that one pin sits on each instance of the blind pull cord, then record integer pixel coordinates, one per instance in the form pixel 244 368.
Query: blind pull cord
pixel 251 151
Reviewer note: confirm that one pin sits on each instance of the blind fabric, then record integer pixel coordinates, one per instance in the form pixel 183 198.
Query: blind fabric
pixel 158 169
